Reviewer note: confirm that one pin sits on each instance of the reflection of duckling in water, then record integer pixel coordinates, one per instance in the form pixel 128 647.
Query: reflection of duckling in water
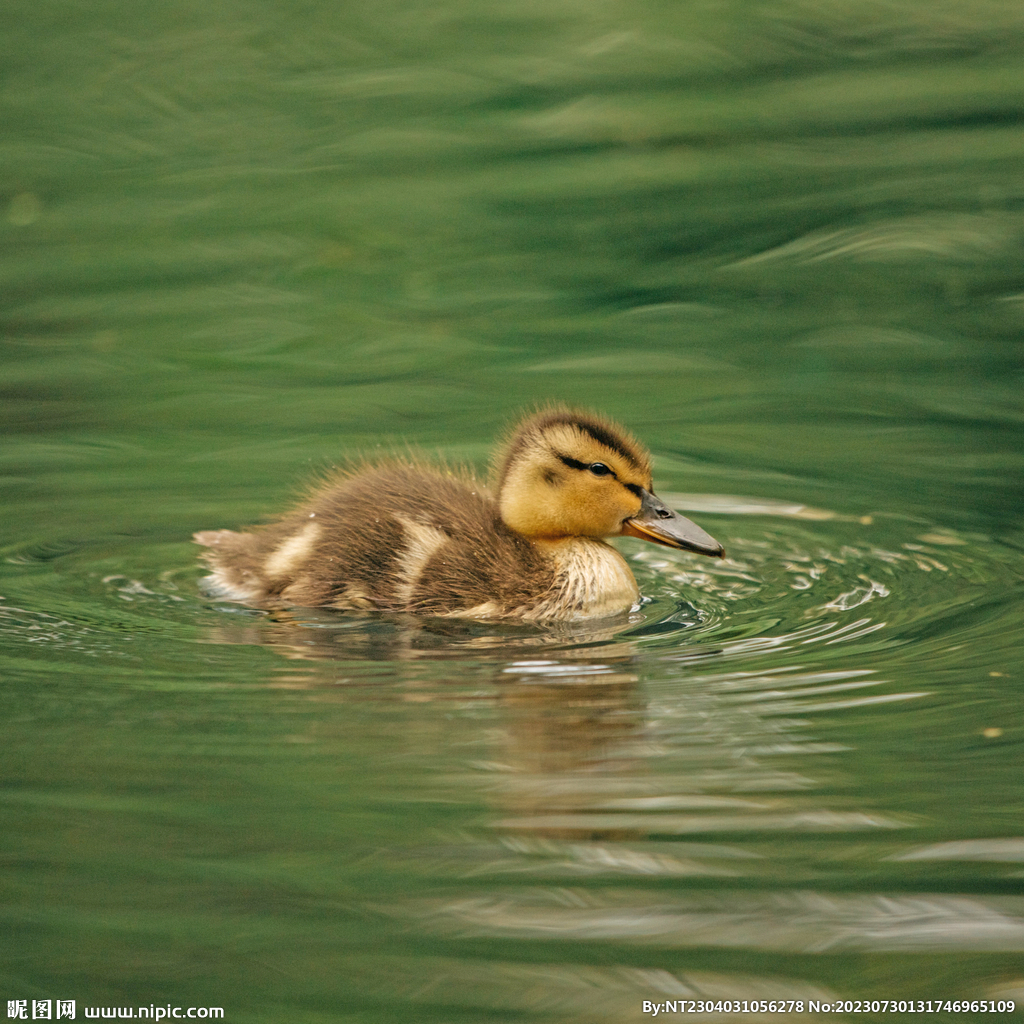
pixel 402 537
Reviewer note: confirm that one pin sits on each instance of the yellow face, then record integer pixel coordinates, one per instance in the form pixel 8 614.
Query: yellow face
pixel 567 474
pixel 563 482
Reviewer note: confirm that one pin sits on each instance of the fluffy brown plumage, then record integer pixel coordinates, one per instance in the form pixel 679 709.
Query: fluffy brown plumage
pixel 404 537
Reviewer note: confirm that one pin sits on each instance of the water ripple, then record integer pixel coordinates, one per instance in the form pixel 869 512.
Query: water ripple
pixel 797 922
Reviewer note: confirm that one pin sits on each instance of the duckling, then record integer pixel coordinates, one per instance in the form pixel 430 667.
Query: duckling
pixel 402 537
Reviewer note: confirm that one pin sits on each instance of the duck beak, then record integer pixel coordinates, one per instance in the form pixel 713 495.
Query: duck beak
pixel 657 522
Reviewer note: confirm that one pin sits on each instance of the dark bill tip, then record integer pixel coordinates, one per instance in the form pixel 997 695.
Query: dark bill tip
pixel 658 523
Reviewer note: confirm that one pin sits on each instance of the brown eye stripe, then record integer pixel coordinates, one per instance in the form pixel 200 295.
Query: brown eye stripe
pixel 576 464
pixel 572 463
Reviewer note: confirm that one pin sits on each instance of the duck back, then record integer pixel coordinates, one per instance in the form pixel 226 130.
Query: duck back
pixel 394 538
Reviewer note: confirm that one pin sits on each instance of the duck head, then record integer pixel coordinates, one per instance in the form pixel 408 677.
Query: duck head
pixel 565 473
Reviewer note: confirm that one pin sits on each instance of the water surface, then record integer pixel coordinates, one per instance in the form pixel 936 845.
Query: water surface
pixel 782 242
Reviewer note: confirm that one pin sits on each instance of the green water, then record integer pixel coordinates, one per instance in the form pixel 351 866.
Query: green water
pixel 782 241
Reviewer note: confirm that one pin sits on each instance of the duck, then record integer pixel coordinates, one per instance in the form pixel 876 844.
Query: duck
pixel 402 535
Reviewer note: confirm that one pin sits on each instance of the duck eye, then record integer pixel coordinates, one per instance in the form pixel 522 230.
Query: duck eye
pixel 599 469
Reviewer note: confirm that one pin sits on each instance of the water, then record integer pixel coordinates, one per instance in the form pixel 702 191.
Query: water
pixel 782 242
